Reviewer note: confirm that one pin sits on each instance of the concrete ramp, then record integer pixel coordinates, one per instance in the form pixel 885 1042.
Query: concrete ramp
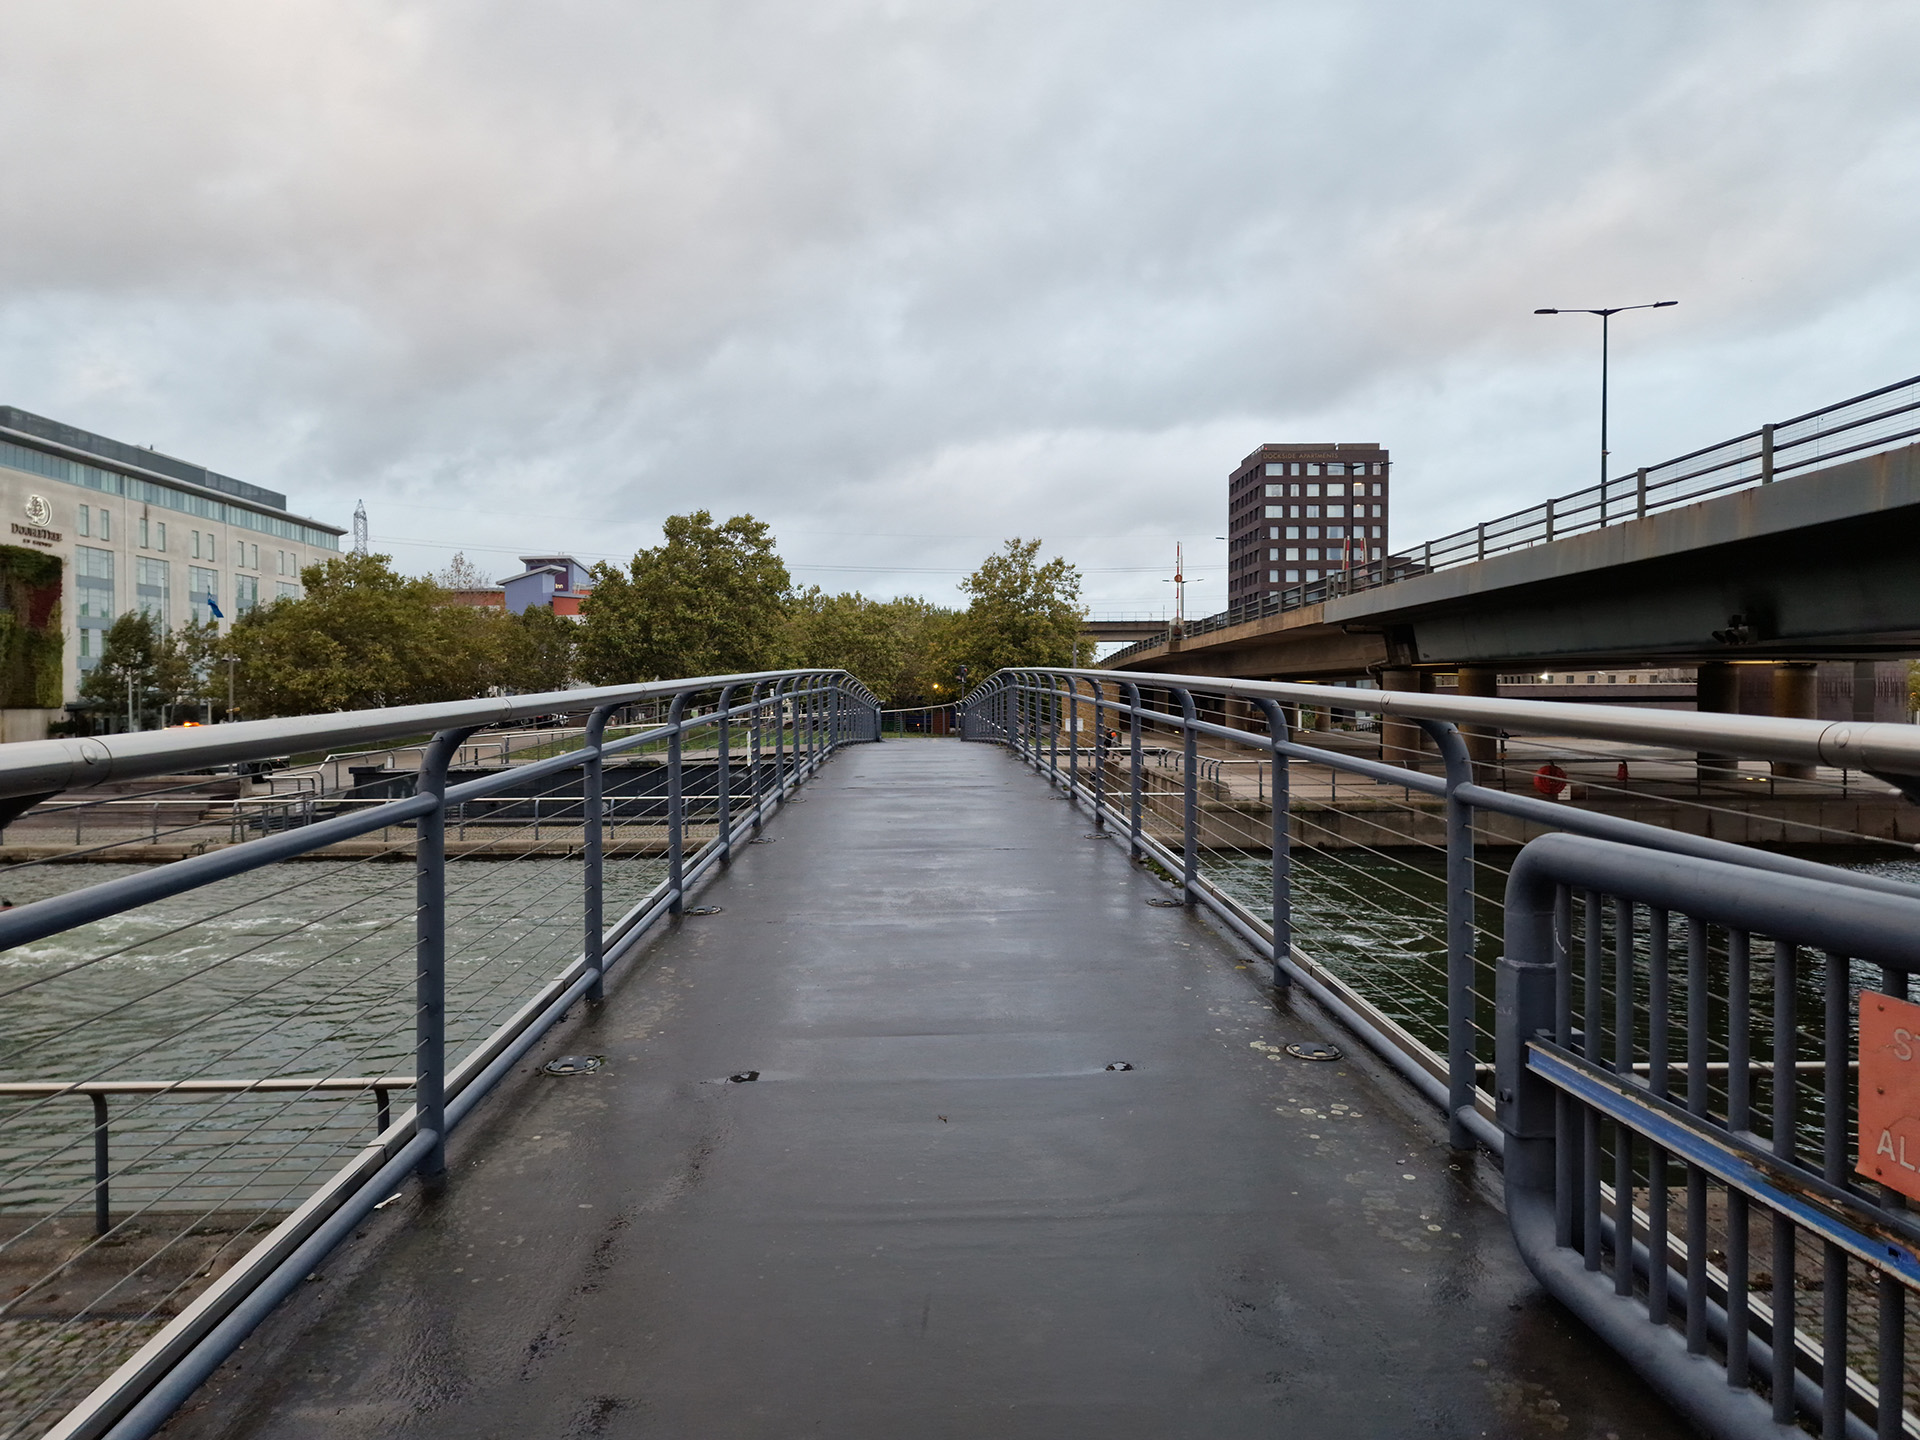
pixel 1024 1157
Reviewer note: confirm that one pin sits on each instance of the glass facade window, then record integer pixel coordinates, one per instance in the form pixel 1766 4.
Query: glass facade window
pixel 93 586
pixel 1293 552
pixel 1336 467
pixel 1313 532
pixel 1313 552
pixel 1293 532
pixel 1340 489
pixel 1376 552
pixel 1338 512
pixel 203 585
pixel 1293 576
pixel 1313 490
pixel 145 492
pixel 81 521
pixel 160 540
pixel 106 524
pixel 1276 512
pixel 1313 574
pixel 1313 468
pixel 1313 512
pixel 246 593
pixel 1273 490
pixel 288 592
pixel 150 587
pixel 145 532
pixel 1273 577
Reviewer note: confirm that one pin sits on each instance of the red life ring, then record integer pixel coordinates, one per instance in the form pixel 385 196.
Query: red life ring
pixel 1550 780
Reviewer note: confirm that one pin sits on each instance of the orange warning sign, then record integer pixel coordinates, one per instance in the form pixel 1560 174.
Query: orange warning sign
pixel 1890 1092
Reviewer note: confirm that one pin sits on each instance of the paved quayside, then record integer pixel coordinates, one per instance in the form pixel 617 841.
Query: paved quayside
pixel 937 1213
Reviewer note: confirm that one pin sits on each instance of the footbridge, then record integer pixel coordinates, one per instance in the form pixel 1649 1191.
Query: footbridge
pixel 1138 1064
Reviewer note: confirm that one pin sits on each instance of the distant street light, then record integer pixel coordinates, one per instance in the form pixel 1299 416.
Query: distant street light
pixel 1606 314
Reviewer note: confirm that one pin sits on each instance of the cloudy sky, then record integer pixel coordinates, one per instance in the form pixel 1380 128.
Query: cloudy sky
pixel 907 278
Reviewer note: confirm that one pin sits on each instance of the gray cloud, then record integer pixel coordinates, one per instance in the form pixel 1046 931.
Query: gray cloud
pixel 905 279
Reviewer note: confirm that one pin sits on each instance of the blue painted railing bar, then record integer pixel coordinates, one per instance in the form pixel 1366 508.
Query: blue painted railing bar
pixel 1563 1216
pixel 819 710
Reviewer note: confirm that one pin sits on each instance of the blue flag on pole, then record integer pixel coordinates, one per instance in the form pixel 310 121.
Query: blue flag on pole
pixel 213 606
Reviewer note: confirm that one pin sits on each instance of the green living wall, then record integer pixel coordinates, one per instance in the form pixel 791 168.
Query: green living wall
pixel 30 640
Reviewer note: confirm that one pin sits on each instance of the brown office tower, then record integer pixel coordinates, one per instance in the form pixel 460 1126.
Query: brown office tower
pixel 1297 512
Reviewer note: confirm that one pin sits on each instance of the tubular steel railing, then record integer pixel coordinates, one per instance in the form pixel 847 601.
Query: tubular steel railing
pixel 1438 1008
pixel 178 1142
pixel 1709 1212
pixel 1877 420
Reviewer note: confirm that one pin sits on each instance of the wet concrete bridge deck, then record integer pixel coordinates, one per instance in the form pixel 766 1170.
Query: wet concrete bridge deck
pixel 936 1213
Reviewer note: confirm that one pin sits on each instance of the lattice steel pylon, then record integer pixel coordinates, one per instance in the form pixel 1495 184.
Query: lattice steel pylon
pixel 360 527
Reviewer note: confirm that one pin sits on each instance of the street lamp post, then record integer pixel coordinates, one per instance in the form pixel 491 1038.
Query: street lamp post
pixel 1606 314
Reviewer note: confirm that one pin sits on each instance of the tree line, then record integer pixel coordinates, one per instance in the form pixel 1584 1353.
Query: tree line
pixel 711 598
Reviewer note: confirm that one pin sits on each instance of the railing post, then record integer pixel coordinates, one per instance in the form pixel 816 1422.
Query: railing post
pixel 723 779
pixel 593 925
pixel 1766 454
pixel 1462 1079
pixel 1480 541
pixel 1099 760
pixel 1073 735
pixel 102 1167
pixel 1640 493
pixel 1053 726
pixel 1282 897
pixel 676 808
pixel 779 740
pixel 1549 520
pixel 1190 802
pixel 430 957
pixel 1136 798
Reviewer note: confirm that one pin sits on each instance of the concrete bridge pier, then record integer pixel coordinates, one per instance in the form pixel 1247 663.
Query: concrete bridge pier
pixel 1716 691
pixel 1483 744
pixel 1796 695
pixel 1402 740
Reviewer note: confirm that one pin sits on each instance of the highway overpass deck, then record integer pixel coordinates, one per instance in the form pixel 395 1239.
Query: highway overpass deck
pixel 1011 1154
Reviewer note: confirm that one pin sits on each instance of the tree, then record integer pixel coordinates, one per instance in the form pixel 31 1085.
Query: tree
pixel 461 573
pixel 896 648
pixel 130 651
pixel 541 655
pixel 711 600
pixel 1021 613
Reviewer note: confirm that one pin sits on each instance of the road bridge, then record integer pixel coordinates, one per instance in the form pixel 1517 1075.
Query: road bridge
pixel 1817 567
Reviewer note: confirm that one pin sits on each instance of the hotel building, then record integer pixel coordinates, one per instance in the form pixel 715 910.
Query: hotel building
pixel 136 529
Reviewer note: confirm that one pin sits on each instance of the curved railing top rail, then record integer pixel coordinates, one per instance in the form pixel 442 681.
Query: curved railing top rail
pixel 37 767
pixel 1878 748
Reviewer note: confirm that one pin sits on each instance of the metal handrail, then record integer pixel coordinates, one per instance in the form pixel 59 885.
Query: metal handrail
pixel 803 716
pixel 36 767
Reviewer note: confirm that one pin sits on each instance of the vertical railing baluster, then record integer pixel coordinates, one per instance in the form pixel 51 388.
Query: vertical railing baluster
pixel 430 957
pixel 1786 984
pixel 676 809
pixel 1659 999
pixel 1073 737
pixel 592 915
pixel 1567 1172
pixel 1592 1049
pixel 1462 1075
pixel 1099 760
pixel 723 779
pixel 1890 1347
pixel 1280 841
pixel 1697 1058
pixel 1623 1027
pixel 1835 1134
pixel 102 1166
pixel 1190 800
pixel 1135 799
pixel 1739 1121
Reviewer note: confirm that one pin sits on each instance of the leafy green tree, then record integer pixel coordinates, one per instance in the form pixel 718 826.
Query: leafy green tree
pixel 541 649
pixel 130 650
pixel 1022 612
pixel 711 600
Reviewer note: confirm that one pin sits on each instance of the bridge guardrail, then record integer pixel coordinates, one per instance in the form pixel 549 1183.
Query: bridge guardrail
pixel 140 1253
pixel 1169 816
pixel 1860 425
pixel 1659 1183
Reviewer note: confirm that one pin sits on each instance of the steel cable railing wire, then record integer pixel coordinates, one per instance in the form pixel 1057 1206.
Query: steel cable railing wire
pixel 497 978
